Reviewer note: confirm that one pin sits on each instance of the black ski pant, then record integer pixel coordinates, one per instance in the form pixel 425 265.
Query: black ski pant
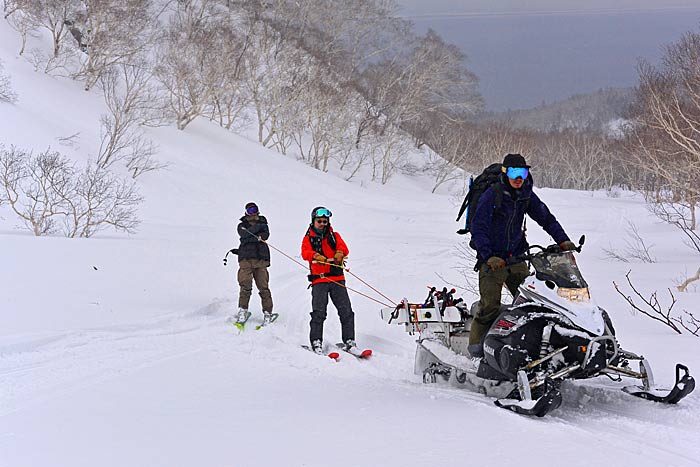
pixel 319 302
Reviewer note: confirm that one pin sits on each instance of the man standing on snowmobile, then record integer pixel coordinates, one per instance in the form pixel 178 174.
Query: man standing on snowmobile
pixel 325 250
pixel 498 236
pixel 253 261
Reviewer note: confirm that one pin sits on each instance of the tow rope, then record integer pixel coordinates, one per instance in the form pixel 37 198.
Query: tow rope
pixel 331 280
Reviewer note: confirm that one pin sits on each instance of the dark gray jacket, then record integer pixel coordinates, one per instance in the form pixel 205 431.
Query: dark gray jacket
pixel 251 247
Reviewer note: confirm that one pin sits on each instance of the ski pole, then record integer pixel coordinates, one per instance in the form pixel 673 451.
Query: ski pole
pixel 232 250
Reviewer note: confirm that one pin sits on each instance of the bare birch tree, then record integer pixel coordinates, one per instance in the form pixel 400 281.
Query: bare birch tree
pixel 188 66
pixel 53 15
pixel 665 136
pixel 112 32
pixel 21 19
pixel 48 194
pixel 128 97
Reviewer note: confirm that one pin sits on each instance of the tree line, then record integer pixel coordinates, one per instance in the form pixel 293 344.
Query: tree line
pixel 344 84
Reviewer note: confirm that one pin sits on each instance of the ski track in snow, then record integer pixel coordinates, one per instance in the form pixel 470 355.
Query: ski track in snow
pixel 34 370
pixel 656 429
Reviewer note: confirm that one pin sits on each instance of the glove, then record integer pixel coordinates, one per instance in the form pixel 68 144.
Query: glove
pixel 495 262
pixel 320 258
pixel 567 245
pixel 339 255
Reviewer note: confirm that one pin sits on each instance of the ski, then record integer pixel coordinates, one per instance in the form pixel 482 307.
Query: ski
pixel 684 385
pixel 332 355
pixel 272 320
pixel 355 352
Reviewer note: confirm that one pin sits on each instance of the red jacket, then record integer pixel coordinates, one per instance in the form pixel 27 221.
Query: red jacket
pixel 307 252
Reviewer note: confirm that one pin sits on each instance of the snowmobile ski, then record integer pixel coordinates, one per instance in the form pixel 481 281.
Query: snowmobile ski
pixel 685 384
pixel 355 352
pixel 332 355
pixel 273 318
pixel 548 401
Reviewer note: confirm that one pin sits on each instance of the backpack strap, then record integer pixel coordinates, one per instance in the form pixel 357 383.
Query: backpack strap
pixel 317 241
pixel 498 197
pixel 317 245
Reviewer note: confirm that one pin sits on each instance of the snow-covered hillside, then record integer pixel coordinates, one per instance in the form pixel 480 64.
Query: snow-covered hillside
pixel 114 350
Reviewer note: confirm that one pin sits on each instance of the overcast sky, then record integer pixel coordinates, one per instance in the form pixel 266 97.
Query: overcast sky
pixel 513 7
pixel 526 53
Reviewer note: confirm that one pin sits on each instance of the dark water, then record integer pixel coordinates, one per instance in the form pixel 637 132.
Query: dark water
pixel 523 61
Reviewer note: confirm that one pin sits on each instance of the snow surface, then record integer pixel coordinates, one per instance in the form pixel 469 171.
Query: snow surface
pixel 114 351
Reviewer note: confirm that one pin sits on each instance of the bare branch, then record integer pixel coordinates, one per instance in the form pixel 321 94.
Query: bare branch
pixel 6 93
pixel 651 306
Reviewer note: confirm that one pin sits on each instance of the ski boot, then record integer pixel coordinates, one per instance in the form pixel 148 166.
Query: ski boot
pixel 350 345
pixel 476 350
pixel 317 347
pixel 268 318
pixel 241 318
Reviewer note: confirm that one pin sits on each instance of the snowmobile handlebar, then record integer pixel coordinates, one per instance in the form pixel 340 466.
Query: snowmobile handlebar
pixel 543 251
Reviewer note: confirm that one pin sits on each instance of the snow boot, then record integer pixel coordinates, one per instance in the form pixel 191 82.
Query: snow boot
pixel 349 345
pixel 242 316
pixel 317 346
pixel 268 317
pixel 476 350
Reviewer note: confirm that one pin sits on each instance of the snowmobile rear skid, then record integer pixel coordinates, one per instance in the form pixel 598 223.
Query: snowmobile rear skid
pixel 553 332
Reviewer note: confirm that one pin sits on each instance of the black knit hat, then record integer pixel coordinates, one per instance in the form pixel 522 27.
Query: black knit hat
pixel 514 160
pixel 249 206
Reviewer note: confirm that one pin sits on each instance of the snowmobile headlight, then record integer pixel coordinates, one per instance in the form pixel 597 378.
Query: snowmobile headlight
pixel 574 295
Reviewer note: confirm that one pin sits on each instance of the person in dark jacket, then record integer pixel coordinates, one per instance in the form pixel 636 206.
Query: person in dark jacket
pixel 253 261
pixel 498 235
pixel 325 251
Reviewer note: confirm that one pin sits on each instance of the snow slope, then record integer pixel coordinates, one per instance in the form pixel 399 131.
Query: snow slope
pixel 114 351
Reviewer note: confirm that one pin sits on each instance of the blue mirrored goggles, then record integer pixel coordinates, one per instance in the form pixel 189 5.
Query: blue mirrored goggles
pixel 252 210
pixel 517 172
pixel 322 212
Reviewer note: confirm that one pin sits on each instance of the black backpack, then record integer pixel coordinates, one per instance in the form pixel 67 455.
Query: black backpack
pixel 477 187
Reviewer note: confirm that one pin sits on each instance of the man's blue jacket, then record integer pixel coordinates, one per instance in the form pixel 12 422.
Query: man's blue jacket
pixel 499 231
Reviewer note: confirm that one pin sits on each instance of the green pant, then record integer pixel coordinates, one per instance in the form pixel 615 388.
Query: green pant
pixel 249 269
pixel 491 283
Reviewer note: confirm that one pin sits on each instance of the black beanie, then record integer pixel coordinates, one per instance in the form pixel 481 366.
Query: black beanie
pixel 250 205
pixel 514 160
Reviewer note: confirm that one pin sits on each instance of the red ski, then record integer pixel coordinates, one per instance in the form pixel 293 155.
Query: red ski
pixel 355 352
pixel 332 355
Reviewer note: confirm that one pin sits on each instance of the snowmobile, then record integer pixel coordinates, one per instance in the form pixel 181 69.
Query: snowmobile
pixel 552 332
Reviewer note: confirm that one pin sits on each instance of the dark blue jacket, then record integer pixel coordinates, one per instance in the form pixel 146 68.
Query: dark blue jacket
pixel 251 247
pixel 499 232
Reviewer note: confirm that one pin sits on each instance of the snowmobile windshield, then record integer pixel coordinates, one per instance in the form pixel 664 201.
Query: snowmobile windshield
pixel 559 268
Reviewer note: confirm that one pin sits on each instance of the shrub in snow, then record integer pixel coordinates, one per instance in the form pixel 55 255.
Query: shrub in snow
pixel 50 195
pixel 6 92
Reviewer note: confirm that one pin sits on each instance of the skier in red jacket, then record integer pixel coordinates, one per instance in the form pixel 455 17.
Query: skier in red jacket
pixel 325 250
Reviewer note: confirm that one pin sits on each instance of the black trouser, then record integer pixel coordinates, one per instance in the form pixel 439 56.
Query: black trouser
pixel 319 303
